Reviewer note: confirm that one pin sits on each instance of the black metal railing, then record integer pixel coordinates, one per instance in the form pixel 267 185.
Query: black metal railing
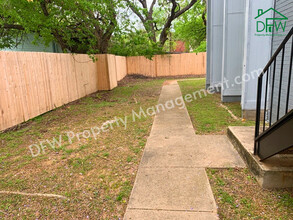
pixel 273 92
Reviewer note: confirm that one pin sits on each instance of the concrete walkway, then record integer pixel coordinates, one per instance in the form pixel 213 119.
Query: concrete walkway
pixel 171 182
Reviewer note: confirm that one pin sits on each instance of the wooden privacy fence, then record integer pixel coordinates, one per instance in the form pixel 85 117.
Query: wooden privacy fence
pixel 168 65
pixel 32 83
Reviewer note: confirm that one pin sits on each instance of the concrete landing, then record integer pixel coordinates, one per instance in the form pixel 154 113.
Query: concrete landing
pixel 171 182
pixel 275 172
pixel 197 151
pixel 216 151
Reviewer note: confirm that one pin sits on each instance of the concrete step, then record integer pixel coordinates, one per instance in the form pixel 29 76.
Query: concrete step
pixel 275 172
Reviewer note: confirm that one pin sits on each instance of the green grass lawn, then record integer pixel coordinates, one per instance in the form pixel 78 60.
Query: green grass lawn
pixel 236 191
pixel 239 196
pixel 207 116
pixel 95 175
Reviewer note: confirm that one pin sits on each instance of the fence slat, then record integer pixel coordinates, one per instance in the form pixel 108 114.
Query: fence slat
pixel 168 65
pixel 32 83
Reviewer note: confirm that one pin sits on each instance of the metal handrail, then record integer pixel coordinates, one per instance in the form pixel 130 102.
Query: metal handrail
pixel 260 87
pixel 287 38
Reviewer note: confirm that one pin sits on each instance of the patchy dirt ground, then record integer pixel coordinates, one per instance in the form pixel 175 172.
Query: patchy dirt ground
pixel 239 196
pixel 95 175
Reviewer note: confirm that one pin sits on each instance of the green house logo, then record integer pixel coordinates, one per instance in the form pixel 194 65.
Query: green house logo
pixel 270 24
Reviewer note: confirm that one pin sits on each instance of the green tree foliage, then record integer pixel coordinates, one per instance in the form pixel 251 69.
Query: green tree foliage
pixel 101 26
pixel 83 26
pixel 201 48
pixel 134 43
pixel 191 27
pixel 157 18
pixel 131 39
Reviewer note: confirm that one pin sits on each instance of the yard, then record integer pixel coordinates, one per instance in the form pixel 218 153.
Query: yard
pixel 96 174
pixel 236 191
pixel 239 196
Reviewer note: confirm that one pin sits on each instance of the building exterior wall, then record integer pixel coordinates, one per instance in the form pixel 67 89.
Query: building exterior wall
pixel 256 55
pixel 233 49
pixel 245 50
pixel 209 37
pixel 215 42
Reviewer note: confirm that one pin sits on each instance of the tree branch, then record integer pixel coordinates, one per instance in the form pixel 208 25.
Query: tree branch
pixel 173 16
pixel 12 26
pixel 149 23
pixel 43 4
pixel 152 8
pixel 163 36
pixel 180 12
pixel 135 11
pixel 144 3
pixel 203 16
